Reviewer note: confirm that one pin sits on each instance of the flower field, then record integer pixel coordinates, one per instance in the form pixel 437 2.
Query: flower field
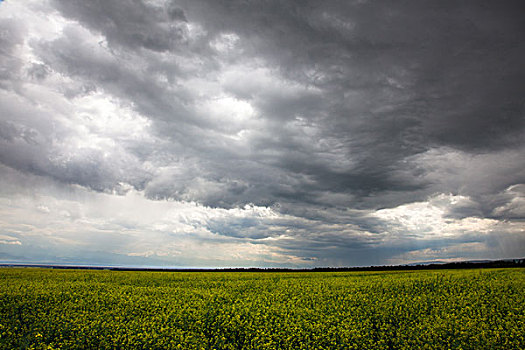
pixel 86 309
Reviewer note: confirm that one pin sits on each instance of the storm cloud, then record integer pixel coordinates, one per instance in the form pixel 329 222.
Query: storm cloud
pixel 276 133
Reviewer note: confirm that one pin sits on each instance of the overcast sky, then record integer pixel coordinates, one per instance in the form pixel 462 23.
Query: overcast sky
pixel 261 133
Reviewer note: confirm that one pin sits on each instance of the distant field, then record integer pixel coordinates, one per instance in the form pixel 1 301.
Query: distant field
pixel 81 309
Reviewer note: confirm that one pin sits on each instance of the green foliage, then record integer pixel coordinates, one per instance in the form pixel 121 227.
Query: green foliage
pixel 460 309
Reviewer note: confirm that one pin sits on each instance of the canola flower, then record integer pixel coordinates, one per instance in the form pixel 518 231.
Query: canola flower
pixel 79 309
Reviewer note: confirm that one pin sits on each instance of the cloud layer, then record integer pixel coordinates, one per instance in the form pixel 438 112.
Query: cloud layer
pixel 234 133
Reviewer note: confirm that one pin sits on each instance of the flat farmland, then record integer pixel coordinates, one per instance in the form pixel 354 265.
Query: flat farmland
pixel 87 309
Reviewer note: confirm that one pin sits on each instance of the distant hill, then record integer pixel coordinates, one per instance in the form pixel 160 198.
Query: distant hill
pixel 429 265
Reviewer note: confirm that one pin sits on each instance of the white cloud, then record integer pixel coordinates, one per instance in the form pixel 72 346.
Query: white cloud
pixel 430 219
pixel 6 239
pixel 225 42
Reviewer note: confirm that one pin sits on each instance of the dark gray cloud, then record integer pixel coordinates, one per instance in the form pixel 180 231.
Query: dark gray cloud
pixel 391 81
pixel 326 112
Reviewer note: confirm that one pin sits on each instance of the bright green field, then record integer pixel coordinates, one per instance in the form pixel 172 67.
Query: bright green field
pixel 74 309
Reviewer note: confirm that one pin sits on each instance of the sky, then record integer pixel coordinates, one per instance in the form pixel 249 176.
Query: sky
pixel 214 133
